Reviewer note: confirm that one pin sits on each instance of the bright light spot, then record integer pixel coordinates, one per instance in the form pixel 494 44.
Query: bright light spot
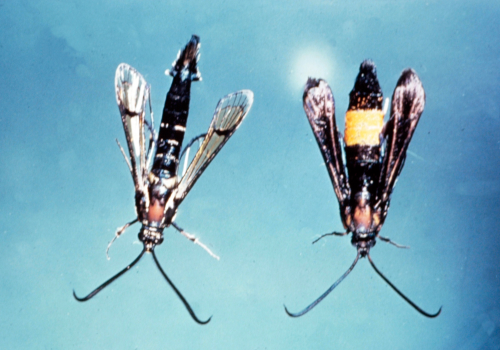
pixel 315 62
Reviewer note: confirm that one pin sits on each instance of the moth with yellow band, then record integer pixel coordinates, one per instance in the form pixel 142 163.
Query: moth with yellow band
pixel 374 156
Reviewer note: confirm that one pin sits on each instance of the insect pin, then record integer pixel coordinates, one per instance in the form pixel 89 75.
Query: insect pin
pixel 159 188
pixel 374 156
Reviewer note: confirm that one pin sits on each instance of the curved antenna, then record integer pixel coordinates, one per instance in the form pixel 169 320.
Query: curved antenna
pixel 323 296
pixel 184 301
pixel 401 294
pixel 105 284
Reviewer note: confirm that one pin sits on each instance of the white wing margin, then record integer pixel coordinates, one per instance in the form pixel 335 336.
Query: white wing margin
pixel 228 115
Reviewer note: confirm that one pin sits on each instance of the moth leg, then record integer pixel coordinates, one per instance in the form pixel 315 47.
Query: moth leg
pixel 331 234
pixel 387 240
pixel 188 148
pixel 193 140
pixel 118 233
pixel 124 156
pixel 195 240
pixel 152 138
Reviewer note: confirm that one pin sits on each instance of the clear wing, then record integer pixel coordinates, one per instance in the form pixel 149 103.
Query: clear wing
pixel 228 115
pixel 408 101
pixel 132 95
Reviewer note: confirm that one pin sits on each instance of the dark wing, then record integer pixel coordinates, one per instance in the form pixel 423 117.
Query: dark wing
pixel 132 95
pixel 408 101
pixel 228 115
pixel 319 106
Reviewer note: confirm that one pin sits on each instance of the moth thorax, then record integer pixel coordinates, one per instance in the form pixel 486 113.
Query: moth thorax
pixel 162 207
pixel 166 183
pixel 156 211
pixel 363 127
pixel 362 216
pixel 171 182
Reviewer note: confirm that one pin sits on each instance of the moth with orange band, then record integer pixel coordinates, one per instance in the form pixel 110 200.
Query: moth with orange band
pixel 374 156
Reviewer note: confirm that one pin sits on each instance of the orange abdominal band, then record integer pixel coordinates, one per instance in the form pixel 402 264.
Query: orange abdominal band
pixel 363 127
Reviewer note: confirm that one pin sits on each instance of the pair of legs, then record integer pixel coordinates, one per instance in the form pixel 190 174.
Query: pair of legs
pixel 189 236
pixel 385 239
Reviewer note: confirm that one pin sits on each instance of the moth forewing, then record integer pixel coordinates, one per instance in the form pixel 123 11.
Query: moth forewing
pixel 132 95
pixel 408 102
pixel 319 105
pixel 231 110
pixel 228 115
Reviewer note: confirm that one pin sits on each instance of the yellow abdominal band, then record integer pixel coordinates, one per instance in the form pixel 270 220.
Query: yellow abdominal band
pixel 363 127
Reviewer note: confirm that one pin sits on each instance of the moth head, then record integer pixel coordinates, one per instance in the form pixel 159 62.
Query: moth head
pixel 363 243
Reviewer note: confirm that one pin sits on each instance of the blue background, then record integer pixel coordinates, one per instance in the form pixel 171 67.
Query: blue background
pixel 64 187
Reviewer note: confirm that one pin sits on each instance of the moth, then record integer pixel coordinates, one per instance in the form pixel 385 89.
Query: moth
pixel 153 160
pixel 375 153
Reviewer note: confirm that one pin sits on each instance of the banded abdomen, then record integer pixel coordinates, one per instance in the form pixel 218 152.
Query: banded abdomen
pixel 163 176
pixel 175 112
pixel 364 123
